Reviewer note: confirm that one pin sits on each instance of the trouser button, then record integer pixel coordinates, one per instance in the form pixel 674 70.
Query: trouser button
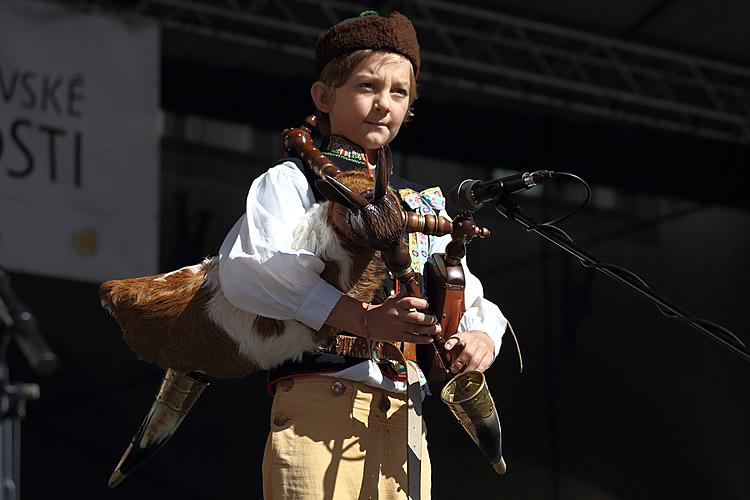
pixel 338 388
pixel 385 403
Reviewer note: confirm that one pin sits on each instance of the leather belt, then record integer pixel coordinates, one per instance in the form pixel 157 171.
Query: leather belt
pixel 358 347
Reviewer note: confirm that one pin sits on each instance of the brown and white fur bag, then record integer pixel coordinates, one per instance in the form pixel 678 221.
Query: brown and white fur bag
pixel 183 321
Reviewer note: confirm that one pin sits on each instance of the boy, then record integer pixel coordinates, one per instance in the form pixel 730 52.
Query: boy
pixel 338 426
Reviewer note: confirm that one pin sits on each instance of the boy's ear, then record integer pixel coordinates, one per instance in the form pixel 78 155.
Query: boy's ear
pixel 321 97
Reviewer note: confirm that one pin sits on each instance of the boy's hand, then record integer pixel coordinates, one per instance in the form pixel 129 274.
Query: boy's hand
pixel 398 320
pixel 473 350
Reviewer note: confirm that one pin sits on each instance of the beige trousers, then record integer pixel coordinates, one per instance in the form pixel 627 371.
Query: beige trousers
pixel 335 439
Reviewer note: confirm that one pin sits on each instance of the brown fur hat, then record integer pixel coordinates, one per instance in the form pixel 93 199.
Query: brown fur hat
pixel 369 31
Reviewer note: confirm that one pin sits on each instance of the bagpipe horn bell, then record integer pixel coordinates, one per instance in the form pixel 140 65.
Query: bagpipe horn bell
pixel 470 401
pixel 177 394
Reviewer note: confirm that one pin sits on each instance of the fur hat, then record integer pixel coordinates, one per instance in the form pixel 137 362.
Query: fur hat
pixel 369 31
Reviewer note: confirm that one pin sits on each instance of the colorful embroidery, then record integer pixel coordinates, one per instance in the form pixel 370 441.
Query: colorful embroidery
pixel 398 372
pixel 421 376
pixel 338 146
pixel 430 201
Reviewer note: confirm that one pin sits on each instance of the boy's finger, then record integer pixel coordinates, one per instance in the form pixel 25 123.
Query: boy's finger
pixel 466 361
pixel 460 362
pixel 420 318
pixel 426 330
pixel 417 338
pixel 475 362
pixel 450 343
pixel 413 303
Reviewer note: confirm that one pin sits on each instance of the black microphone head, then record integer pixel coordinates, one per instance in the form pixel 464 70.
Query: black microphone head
pixel 461 199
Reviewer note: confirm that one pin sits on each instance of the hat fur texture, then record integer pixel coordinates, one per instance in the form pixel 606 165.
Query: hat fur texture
pixel 394 33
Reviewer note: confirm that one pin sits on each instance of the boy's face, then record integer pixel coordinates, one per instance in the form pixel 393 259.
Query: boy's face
pixel 372 104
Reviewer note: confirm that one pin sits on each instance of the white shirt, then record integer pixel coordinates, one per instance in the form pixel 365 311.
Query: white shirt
pixel 261 273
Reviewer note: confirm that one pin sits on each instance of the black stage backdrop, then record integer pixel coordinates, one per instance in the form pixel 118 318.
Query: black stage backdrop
pixel 615 402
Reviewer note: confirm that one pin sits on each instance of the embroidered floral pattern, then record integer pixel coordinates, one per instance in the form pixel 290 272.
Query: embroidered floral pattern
pixel 430 201
pixel 340 147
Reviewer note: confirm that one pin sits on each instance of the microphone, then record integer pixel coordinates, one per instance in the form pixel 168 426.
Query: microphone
pixel 471 195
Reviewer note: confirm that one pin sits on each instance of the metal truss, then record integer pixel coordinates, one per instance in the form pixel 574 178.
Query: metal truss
pixel 495 56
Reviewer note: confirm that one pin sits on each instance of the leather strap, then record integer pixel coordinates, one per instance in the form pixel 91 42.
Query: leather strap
pixel 358 347
pixel 414 433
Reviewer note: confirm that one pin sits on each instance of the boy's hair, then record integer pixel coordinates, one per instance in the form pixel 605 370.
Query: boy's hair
pixel 338 70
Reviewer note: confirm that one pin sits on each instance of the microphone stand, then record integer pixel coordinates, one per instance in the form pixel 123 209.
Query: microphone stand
pixel 17 323
pixel 507 207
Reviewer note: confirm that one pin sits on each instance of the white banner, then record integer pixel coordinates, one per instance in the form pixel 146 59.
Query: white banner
pixel 79 147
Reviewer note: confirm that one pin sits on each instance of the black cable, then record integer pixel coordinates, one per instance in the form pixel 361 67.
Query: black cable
pixel 634 277
pixel 631 276
pixel 618 270
pixel 626 274
pixel 550 225
pixel 554 229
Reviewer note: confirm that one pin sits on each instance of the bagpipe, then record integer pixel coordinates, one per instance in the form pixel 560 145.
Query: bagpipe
pixel 467 394
pixel 181 320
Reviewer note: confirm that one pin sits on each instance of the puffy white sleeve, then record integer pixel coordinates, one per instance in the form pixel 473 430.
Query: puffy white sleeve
pixel 481 314
pixel 259 270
